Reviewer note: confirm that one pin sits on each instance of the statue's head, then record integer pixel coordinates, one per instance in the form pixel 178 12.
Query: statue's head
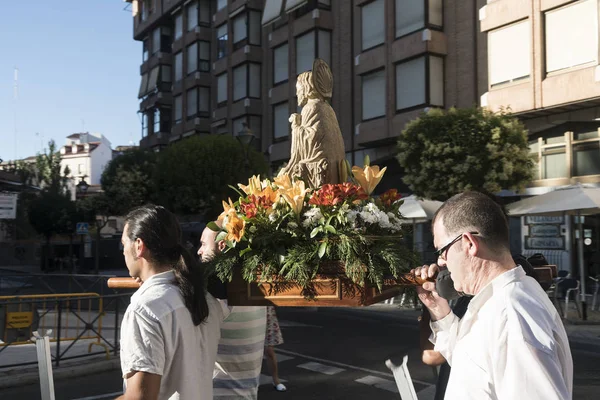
pixel 315 84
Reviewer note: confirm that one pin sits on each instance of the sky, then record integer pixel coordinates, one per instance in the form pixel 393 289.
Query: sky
pixel 78 71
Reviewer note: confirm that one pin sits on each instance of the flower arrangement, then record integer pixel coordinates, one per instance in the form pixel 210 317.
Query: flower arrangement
pixel 280 230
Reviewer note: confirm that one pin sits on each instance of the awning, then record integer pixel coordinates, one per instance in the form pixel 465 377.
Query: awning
pixel 272 11
pixel 291 5
pixel 153 81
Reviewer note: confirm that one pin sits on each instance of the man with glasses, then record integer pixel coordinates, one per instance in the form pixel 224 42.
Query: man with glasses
pixel 510 343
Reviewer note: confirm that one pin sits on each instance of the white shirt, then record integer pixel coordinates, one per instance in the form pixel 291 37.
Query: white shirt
pixel 510 344
pixel 159 337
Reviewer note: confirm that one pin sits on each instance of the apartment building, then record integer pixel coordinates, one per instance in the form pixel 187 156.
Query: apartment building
pixel 210 66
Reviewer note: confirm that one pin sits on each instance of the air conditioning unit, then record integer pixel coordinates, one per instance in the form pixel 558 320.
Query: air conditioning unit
pixel 270 37
pixel 214 66
pixel 270 92
pixel 159 95
pixel 316 14
pixel 357 130
pixel 357 60
pixel 426 35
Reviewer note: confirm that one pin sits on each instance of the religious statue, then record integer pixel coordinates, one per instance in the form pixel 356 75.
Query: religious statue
pixel 317 153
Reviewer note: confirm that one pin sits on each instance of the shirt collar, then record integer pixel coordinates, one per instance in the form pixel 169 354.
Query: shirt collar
pixel 496 284
pixel 162 278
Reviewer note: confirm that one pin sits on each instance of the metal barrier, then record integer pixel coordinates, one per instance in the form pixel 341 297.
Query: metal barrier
pixel 72 318
pixel 13 283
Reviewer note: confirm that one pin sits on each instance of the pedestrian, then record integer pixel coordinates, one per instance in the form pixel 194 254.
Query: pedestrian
pixel 510 343
pixel 170 331
pixel 273 338
pixel 241 347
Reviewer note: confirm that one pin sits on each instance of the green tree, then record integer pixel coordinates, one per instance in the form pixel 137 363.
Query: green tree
pixel 194 175
pixel 50 174
pixel 446 152
pixel 128 180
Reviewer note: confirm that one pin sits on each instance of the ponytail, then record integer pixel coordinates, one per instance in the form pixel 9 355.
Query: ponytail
pixel 190 279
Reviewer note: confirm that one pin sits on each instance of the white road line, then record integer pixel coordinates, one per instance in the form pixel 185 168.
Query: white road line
pixel 268 380
pixel 379 383
pixel 342 365
pixel 102 396
pixel 322 368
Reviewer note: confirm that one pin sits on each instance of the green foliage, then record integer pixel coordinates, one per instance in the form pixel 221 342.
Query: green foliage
pixel 52 213
pixel 49 173
pixel 447 152
pixel 128 180
pixel 194 175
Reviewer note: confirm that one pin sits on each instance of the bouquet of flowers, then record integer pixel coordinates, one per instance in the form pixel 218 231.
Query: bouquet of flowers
pixel 280 230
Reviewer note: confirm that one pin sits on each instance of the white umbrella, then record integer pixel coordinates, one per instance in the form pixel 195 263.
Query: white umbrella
pixel 572 200
pixel 419 210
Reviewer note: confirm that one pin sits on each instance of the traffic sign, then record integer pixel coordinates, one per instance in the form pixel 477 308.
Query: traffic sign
pixel 82 228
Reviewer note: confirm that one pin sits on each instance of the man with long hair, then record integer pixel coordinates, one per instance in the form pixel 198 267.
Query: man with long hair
pixel 170 331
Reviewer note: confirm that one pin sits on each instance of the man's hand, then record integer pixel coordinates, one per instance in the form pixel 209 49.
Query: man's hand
pixel 438 306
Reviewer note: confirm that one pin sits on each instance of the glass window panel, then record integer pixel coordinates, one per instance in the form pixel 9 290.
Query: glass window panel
pixel 255 28
pixel 436 12
pixel 192 15
pixel 239 82
pixel 222 88
pixel 410 16
pixel 280 60
pixel 240 30
pixel 281 127
pixel 222 41
pixel 192 102
pixel 586 135
pixel 555 165
pixel 238 125
pixel 572 35
pixel 555 138
pixel 204 12
pixel 254 80
pixel 586 159
pixel 410 83
pixel 436 81
pixel 145 45
pixel 373 24
pixel 204 56
pixel 178 109
pixel 305 52
pixel 144 125
pixel 165 73
pixel 178 65
pixel 178 25
pixel 156 40
pixel 509 53
pixel 204 99
pixel 325 46
pixel 192 58
pixel 373 95
pixel 221 4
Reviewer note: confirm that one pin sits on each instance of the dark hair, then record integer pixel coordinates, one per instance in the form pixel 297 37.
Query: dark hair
pixel 475 211
pixel 159 229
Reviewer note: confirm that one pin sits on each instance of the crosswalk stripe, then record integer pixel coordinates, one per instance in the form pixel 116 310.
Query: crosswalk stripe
pixel 322 368
pixel 379 383
pixel 268 380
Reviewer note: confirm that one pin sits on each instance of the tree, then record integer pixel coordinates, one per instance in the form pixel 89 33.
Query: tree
pixel 48 169
pixel 128 180
pixel 194 175
pixel 446 152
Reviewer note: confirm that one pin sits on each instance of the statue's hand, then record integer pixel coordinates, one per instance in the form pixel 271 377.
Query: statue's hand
pixel 295 119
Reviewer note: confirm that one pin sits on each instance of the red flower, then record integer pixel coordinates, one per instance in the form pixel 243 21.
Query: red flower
pixel 249 209
pixel 331 195
pixel 390 197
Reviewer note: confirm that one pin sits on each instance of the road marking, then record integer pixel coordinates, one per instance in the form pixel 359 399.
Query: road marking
pixel 342 365
pixel 379 383
pixel 102 396
pixel 268 380
pixel 322 368
pixel 280 358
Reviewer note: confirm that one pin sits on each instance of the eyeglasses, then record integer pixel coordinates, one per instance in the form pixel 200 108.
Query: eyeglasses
pixel 441 253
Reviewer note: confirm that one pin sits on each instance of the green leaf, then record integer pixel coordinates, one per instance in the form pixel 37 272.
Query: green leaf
pixel 221 236
pixel 322 249
pixel 367 161
pixel 316 231
pixel 213 226
pixel 330 229
pixel 247 249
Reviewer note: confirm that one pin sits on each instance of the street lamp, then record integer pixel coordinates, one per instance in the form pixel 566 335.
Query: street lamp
pixel 82 187
pixel 245 137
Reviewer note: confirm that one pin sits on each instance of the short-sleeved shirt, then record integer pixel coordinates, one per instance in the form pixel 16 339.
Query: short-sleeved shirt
pixel 239 359
pixel 158 336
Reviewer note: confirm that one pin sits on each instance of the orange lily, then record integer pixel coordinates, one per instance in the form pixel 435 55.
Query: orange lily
pixel 235 227
pixel 283 182
pixel 254 186
pixel 227 207
pixel 369 177
pixel 295 195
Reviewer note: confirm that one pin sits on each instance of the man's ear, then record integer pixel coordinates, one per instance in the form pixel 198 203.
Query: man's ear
pixel 221 245
pixel 472 244
pixel 139 247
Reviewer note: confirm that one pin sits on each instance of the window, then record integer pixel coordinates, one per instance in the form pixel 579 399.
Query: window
pixel 281 126
pixel 373 24
pixel 146 9
pixel 165 39
pixel 246 29
pixel 246 81
pixel 145 45
pixel 221 4
pixel 222 41
pixel 280 64
pixel 272 11
pixel 178 109
pixel 192 58
pixel 554 163
pixel 204 100
pixel 192 103
pixel 178 25
pixel 156 40
pixel 586 159
pixel 153 80
pixel 572 35
pixel 413 80
pixel 373 95
pixel 222 88
pixel 308 48
pixel 162 120
pixel 238 125
pixel 205 13
pixel 144 125
pixel 411 15
pixel 178 65
pixel 165 74
pixel 509 53
pixel 143 86
pixel 204 56
pixel 192 15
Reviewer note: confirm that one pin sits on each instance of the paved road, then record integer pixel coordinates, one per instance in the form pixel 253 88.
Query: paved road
pixel 331 354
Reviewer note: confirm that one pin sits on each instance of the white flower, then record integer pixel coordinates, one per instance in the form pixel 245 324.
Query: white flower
pixel 292 225
pixel 273 217
pixel 312 216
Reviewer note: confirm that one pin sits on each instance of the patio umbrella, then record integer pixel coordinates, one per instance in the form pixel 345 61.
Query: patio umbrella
pixel 418 211
pixel 577 200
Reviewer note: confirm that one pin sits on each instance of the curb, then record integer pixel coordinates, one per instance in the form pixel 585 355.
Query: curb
pixel 20 377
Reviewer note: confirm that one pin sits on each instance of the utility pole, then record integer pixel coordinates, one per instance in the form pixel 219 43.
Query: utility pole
pixel 15 98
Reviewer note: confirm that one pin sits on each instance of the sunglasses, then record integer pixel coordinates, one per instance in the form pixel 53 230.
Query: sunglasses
pixel 441 253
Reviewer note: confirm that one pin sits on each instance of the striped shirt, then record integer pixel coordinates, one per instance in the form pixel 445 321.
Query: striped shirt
pixel 239 358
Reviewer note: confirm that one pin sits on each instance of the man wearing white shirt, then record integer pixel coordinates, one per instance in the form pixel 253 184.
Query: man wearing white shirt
pixel 511 343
